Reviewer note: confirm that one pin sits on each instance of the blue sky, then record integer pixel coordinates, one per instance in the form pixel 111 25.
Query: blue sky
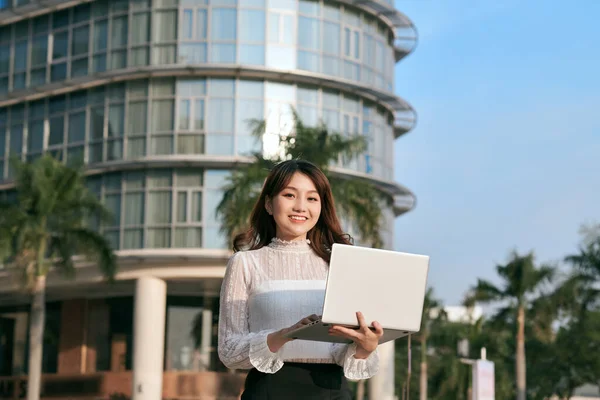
pixel 506 153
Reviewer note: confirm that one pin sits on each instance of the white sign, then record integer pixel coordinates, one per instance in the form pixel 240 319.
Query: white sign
pixel 483 380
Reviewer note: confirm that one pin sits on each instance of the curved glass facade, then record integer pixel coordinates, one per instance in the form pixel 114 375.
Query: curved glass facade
pixel 111 127
pixel 131 121
pixel 91 38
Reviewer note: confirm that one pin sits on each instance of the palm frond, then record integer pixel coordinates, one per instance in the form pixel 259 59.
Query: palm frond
pixel 93 245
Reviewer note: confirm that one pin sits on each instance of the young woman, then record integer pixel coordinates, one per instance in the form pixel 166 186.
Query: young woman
pixel 275 282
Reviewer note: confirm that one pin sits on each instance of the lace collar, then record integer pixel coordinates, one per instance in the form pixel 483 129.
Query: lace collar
pixel 290 245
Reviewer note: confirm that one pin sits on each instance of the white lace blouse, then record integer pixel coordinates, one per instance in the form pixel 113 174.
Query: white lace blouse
pixel 273 288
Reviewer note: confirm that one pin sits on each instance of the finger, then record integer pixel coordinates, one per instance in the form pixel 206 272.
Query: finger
pixel 378 328
pixel 361 320
pixel 349 333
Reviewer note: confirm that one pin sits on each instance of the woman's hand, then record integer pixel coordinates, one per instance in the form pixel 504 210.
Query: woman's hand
pixel 276 340
pixel 366 339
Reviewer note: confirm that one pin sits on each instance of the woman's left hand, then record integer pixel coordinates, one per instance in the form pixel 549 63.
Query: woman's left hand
pixel 366 339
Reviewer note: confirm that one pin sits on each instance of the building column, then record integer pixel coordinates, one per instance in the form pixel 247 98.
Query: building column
pixel 149 338
pixel 381 386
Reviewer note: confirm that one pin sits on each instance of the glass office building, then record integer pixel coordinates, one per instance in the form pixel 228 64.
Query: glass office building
pixel 154 96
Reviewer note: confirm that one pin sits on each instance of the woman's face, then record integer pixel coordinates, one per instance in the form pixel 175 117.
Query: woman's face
pixel 296 209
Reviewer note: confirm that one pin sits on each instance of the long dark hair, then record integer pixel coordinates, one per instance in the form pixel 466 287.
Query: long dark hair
pixel 262 228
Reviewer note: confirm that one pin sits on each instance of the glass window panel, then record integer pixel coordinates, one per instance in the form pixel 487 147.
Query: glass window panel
pixel 221 87
pixel 16 139
pixel 133 239
pixel 97 123
pixel 332 33
pixel 80 40
pixel 77 127
pixel 189 178
pixel 201 24
pixel 118 32
pixel 187 24
pixel 223 53
pixel 184 115
pixel 356 45
pixel 191 87
pixel 221 115
pixel 113 203
pixel 164 55
pixel 216 178
pixel 137 117
pixel 58 72
pixel 20 55
pixel 288 30
pixel 118 6
pixel 39 50
pixel 100 35
pixel 247 88
pixel 81 13
pixel 246 111
pixel 190 144
pixel 134 208
pixel 331 118
pixel 212 200
pixel 41 24
pixel 60 19
pixel 331 99
pixel 219 144
pixel 57 127
pixel 118 59
pixel 159 208
pixel 214 239
pixel 79 68
pixel 163 87
pixel 223 24
pixel 139 56
pixel 308 95
pixel 75 155
pixel 331 11
pixel 99 8
pixel 309 7
pixel 196 206
pixel 252 24
pixel 192 53
pixel 331 65
pixel 283 4
pixel 135 180
pixel 99 64
pixel 165 26
pixel 247 144
pixel 37 109
pixel 309 33
pixel 274 19
pixel 308 115
pixel 116 120
pixel 160 145
pixel 35 136
pixel 308 61
pixel 351 17
pixel 188 237
pixel 199 115
pixel 279 91
pixel 252 54
pixel 162 115
pixel 182 206
pixel 140 28
pixel 4 59
pixel 138 88
pixel 60 47
pixel 160 178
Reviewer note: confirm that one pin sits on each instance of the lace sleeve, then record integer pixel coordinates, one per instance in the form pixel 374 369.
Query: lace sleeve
pixel 355 368
pixel 239 348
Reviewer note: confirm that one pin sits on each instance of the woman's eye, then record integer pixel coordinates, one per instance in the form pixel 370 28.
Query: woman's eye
pixel 313 199
pixel 288 195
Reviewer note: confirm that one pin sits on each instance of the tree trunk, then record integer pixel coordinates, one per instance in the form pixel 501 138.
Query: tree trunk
pixel 360 390
pixel 36 335
pixel 423 373
pixel 520 361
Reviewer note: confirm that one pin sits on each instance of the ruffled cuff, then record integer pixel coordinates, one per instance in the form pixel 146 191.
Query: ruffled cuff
pixel 261 357
pixel 355 368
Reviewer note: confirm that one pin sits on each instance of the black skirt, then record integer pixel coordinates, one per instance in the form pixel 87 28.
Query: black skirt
pixel 297 381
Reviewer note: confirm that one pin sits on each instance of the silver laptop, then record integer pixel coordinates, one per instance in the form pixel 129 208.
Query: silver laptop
pixel 386 286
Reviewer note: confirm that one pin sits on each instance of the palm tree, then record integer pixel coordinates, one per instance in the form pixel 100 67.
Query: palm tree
pixel 521 278
pixel 587 272
pixel 359 202
pixel 43 230
pixel 429 305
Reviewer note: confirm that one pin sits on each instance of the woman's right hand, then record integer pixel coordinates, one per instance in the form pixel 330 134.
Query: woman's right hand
pixel 276 340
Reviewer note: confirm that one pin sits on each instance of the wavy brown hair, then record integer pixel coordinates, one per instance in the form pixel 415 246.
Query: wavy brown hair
pixel 262 228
